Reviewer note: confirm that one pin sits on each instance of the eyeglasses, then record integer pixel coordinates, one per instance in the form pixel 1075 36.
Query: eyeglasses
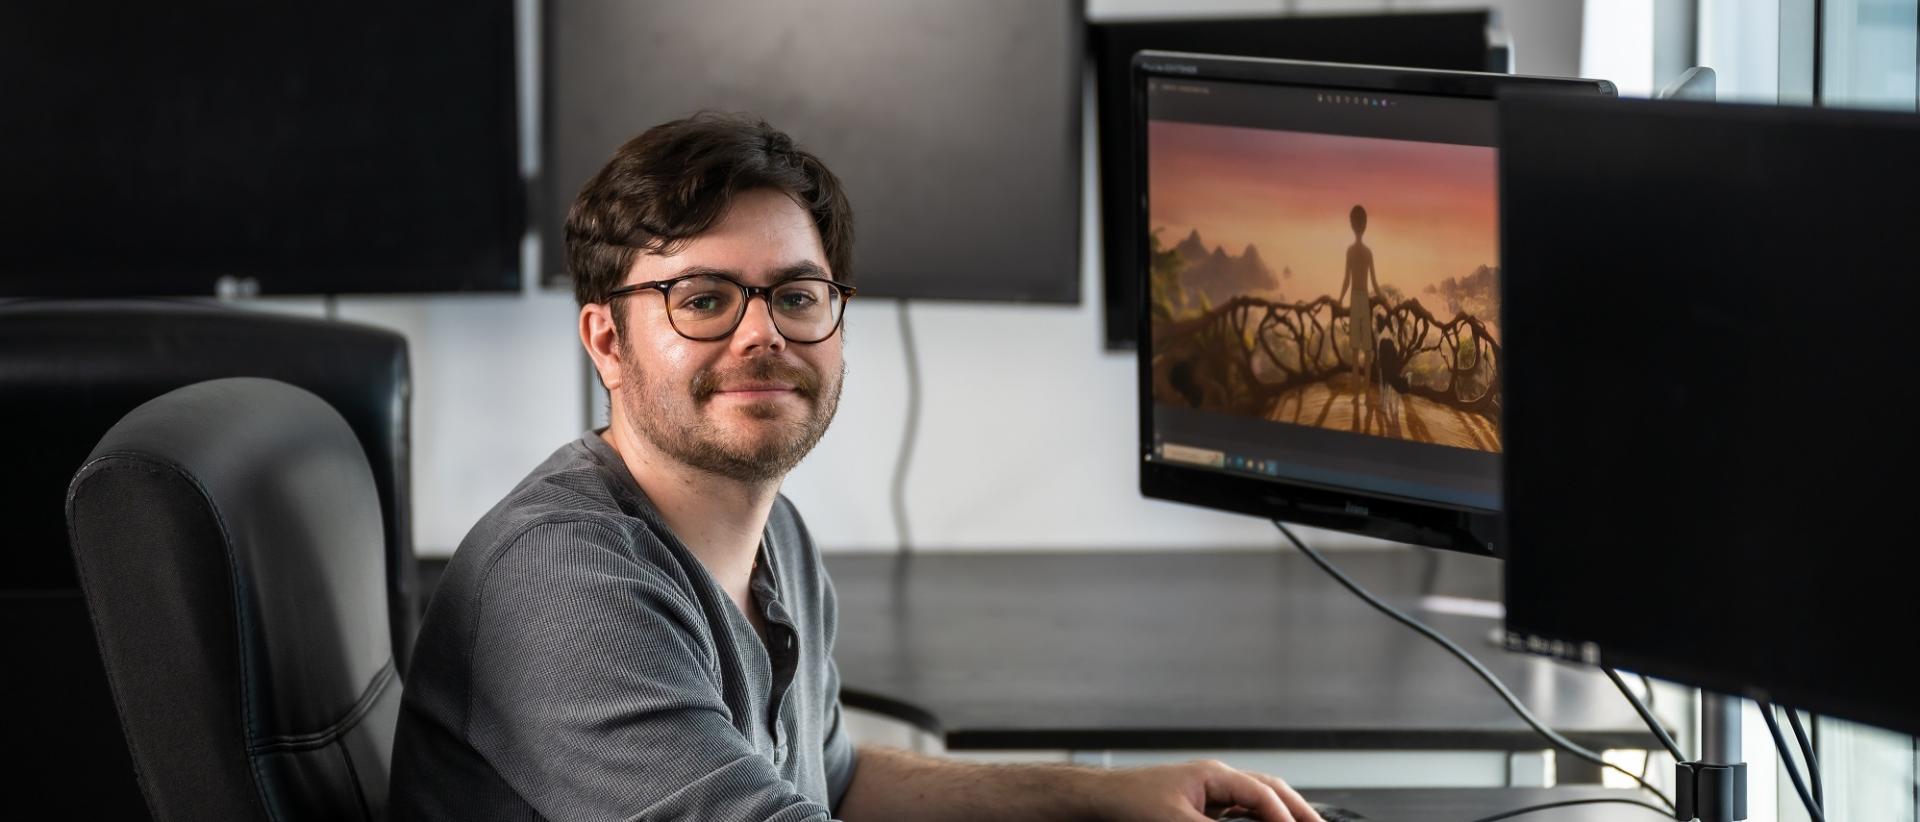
pixel 707 307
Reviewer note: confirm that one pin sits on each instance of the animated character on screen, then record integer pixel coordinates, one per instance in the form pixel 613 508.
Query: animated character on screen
pixel 1359 275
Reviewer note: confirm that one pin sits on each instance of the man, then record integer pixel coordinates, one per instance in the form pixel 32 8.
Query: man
pixel 643 629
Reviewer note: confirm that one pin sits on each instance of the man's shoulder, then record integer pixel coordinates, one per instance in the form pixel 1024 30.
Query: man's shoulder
pixel 562 547
pixel 568 494
pixel 572 480
pixel 569 516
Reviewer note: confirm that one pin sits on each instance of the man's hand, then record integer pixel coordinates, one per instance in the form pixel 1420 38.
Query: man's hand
pixel 1194 792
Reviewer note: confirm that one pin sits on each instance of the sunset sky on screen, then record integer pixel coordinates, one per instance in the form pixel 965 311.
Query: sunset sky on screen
pixel 1432 209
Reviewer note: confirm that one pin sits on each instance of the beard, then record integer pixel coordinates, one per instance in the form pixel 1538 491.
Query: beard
pixel 679 419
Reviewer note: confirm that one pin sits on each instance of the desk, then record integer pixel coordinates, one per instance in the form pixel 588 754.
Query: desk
pixel 1192 651
pixel 1463 804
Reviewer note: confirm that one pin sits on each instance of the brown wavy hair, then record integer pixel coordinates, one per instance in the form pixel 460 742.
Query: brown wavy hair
pixel 675 180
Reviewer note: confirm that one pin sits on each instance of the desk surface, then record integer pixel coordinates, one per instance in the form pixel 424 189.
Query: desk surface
pixel 1193 650
pixel 1465 804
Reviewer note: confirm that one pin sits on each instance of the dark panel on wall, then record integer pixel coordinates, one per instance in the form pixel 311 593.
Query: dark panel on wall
pixel 313 147
pixel 954 124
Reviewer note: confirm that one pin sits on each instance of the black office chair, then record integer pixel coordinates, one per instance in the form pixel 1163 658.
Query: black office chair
pixel 68 371
pixel 228 539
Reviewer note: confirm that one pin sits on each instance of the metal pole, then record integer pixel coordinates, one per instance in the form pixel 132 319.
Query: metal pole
pixel 1713 788
pixel 1719 729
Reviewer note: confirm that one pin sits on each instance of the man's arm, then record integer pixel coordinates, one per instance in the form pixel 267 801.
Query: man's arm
pixel 894 784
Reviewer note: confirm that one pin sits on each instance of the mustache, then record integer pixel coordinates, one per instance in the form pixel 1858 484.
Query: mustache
pixel 804 381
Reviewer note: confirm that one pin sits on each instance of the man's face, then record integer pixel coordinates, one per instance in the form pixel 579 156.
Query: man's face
pixel 748 406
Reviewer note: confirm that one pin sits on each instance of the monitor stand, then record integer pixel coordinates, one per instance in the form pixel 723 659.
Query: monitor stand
pixel 1713 788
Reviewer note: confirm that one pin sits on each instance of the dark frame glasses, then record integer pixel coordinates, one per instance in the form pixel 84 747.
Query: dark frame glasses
pixel 837 303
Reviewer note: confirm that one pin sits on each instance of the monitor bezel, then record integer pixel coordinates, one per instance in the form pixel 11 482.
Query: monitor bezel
pixel 1384 516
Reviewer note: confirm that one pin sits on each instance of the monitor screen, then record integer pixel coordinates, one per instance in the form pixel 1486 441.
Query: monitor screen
pixel 1456 40
pixel 954 126
pixel 306 148
pixel 1710 417
pixel 1322 274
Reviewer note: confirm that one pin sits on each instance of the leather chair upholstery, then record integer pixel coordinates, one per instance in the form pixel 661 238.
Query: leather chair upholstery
pixel 68 371
pixel 228 538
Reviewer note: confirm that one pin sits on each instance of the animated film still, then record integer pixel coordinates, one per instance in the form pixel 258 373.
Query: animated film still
pixel 1344 283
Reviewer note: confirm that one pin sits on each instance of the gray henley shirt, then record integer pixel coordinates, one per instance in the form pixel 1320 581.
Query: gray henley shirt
pixel 578 662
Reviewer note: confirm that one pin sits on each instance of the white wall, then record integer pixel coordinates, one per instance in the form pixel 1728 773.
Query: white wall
pixel 1616 42
pixel 1740 39
pixel 1029 429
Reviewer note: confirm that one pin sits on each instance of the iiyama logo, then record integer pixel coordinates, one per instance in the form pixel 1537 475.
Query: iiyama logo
pixel 1356 510
pixel 1172 68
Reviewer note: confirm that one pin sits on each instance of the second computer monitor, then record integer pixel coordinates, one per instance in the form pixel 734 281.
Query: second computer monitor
pixel 1321 340
pixel 1711 425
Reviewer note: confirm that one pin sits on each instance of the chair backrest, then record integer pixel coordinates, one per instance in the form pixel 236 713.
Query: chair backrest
pixel 68 371
pixel 228 540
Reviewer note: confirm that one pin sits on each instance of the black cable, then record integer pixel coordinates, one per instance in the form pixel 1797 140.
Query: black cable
pixel 901 526
pixel 1646 687
pixel 1513 702
pixel 1666 740
pixel 1819 53
pixel 1664 813
pixel 1807 755
pixel 1786 761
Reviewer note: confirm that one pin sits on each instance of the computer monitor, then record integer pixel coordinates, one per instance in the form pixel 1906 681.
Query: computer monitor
pixel 1265 187
pixel 954 125
pixel 200 147
pixel 1460 40
pixel 1710 412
